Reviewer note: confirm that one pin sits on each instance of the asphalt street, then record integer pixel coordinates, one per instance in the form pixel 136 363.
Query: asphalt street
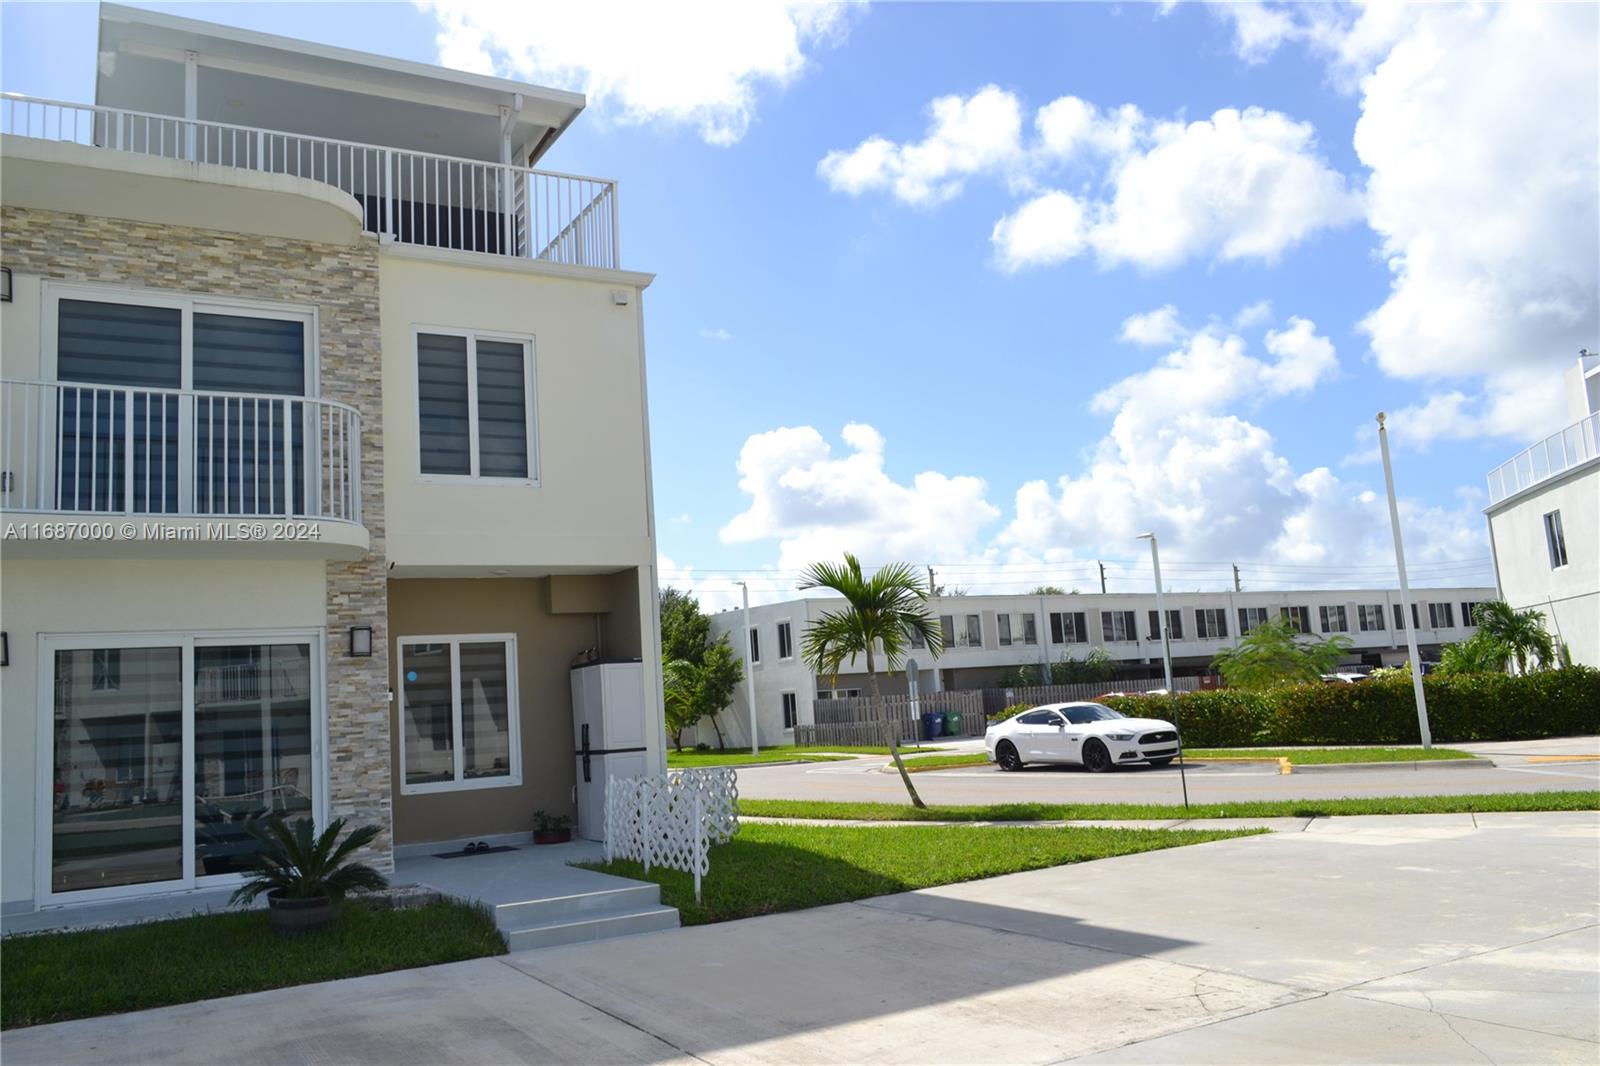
pixel 1515 766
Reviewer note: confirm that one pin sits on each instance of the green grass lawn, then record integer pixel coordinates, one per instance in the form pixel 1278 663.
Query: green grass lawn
pixel 1314 756
pixel 946 762
pixel 781 753
pixel 52 977
pixel 1587 800
pixel 771 868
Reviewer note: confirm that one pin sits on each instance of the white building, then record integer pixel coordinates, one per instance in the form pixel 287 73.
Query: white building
pixel 1544 521
pixel 324 457
pixel 987 636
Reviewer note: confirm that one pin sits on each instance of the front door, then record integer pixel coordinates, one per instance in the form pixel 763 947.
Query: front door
pixel 163 752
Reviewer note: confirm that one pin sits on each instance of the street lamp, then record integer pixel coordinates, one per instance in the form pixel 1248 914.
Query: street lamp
pixel 1166 655
pixel 1405 589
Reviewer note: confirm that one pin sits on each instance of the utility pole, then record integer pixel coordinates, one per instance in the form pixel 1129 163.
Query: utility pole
pixel 1166 649
pixel 1236 586
pixel 1405 589
pixel 1102 567
pixel 931 586
pixel 749 672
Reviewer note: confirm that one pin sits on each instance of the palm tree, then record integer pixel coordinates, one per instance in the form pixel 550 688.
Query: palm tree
pixel 882 615
pixel 1478 654
pixel 1522 633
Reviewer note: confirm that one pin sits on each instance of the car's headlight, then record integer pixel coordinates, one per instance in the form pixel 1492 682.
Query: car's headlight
pixel 1119 736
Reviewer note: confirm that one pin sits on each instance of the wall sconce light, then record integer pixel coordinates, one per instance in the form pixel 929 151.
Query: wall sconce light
pixel 360 642
pixel 5 285
pixel 5 649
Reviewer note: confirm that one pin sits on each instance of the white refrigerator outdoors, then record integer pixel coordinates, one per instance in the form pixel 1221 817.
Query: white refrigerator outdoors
pixel 608 726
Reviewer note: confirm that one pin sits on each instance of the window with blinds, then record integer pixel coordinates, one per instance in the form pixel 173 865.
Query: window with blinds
pixel 474 406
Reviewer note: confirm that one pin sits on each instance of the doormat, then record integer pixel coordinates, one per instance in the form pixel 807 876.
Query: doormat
pixel 474 851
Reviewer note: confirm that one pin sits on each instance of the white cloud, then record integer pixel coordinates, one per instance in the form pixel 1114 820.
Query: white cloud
pixel 717 334
pixel 716 592
pixel 1160 326
pixel 818 505
pixel 1304 358
pixel 1258 28
pixel 1480 129
pixel 703 64
pixel 1240 185
pixel 1253 315
pixel 965 136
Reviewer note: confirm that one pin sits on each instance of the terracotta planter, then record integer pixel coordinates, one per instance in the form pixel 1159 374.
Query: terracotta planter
pixel 290 917
pixel 552 836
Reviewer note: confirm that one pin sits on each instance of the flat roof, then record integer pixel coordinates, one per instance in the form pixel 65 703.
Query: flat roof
pixel 137 49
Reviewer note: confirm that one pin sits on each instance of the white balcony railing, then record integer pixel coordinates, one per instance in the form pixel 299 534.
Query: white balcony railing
pixel 413 197
pixel 104 449
pixel 1558 452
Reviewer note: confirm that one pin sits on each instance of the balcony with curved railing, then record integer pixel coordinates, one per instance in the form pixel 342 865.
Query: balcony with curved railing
pixel 412 197
pixel 186 466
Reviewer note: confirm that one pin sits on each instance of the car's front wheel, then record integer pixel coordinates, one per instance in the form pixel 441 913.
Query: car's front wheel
pixel 1006 755
pixel 1096 759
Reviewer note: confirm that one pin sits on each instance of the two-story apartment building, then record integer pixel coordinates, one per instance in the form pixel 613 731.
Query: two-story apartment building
pixel 987 637
pixel 324 458
pixel 1544 520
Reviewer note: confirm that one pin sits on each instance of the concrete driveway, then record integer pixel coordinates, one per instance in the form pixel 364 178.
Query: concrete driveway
pixel 1514 766
pixel 1415 939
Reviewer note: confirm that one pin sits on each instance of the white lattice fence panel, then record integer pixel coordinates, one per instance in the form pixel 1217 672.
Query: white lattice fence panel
pixel 672 821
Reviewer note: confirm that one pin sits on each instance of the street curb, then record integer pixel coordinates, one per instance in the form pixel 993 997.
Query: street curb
pixel 1359 767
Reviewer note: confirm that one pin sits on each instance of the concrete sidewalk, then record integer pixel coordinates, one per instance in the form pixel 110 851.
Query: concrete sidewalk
pixel 1447 938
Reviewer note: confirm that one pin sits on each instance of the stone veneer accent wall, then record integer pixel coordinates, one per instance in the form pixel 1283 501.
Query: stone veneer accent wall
pixel 342 282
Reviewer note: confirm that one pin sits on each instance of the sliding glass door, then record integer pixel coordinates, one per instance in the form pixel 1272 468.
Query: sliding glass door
pixel 164 753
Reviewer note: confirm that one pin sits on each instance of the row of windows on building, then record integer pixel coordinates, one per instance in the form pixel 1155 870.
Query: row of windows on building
pixel 1121 627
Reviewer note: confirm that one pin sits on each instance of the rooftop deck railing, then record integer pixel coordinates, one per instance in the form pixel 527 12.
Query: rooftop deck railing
pixel 1554 455
pixel 413 197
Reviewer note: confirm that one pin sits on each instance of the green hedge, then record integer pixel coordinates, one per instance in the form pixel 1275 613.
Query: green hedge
pixel 1552 703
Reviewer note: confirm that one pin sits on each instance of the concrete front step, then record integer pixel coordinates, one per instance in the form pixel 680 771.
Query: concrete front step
pixel 591 926
pixel 550 910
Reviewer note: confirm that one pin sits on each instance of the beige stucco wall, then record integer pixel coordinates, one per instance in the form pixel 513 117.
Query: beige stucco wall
pixel 546 644
pixel 107 596
pixel 590 506
pixel 119 247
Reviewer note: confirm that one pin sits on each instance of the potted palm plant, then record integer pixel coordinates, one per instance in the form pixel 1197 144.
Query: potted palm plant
pixel 551 828
pixel 303 874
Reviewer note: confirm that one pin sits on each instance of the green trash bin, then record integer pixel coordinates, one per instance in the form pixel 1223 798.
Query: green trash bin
pixel 952 723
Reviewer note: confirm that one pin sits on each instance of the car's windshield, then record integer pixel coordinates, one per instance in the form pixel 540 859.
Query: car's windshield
pixel 1090 712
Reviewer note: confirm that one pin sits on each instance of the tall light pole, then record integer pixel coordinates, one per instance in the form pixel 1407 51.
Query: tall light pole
pixel 749 671
pixel 1166 652
pixel 1405 589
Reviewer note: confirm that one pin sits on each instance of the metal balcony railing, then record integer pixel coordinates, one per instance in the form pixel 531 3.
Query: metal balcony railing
pixel 1555 454
pixel 105 449
pixel 413 197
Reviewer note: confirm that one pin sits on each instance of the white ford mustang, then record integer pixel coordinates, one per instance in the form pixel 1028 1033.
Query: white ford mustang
pixel 1089 734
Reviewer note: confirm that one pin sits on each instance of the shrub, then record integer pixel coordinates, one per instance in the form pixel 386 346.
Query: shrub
pixel 1008 712
pixel 1549 703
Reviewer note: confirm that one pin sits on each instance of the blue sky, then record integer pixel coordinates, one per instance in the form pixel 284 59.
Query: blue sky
pixel 1381 170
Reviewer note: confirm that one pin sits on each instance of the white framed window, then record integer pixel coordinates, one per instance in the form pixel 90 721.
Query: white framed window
pixel 1334 619
pixel 974 631
pixel 1174 626
pixel 1299 618
pixel 128 439
pixel 1250 617
pixel 1400 617
pixel 791 711
pixel 1017 629
pixel 1068 627
pixel 1118 626
pixel 1370 617
pixel 1211 623
pixel 458 712
pixel 1469 613
pixel 476 406
pixel 970 635
pixel 201 733
pixel 755 646
pixel 1441 616
pixel 785 640
pixel 1555 539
